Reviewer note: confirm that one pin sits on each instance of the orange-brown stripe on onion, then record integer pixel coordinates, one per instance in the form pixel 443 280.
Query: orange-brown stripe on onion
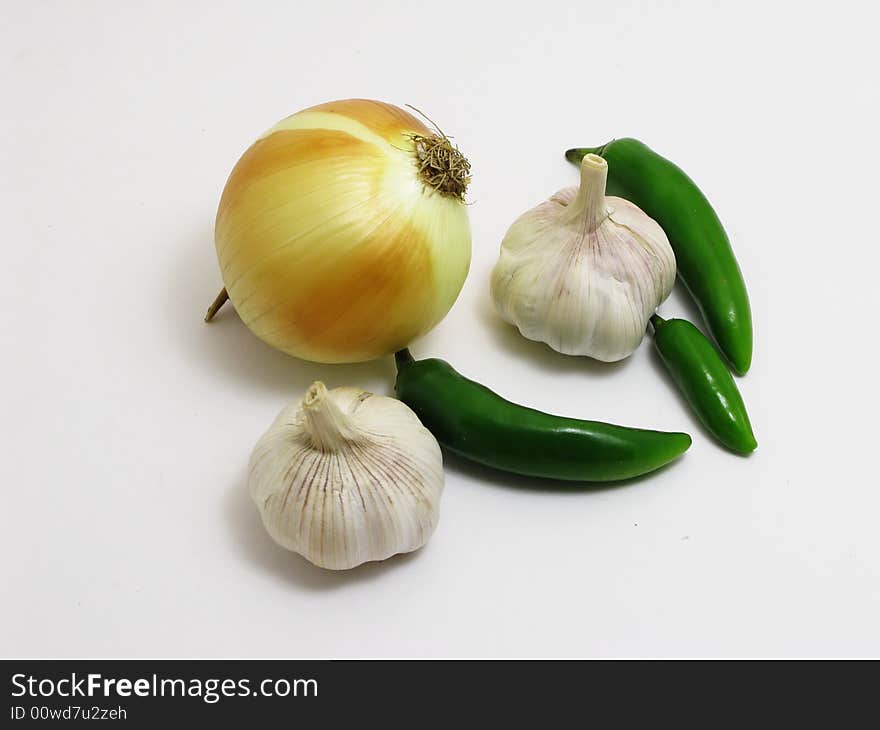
pixel 342 233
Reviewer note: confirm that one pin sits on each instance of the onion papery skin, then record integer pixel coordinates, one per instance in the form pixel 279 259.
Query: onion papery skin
pixel 331 246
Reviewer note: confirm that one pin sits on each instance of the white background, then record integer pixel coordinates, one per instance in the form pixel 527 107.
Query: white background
pixel 125 527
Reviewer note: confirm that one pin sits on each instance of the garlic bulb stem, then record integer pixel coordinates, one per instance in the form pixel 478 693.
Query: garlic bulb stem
pixel 589 205
pixel 328 428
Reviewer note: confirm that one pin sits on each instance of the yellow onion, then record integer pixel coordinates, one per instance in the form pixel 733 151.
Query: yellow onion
pixel 342 233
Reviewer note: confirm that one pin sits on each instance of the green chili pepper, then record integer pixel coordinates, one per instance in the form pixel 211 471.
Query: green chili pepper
pixel 704 258
pixel 472 421
pixel 700 373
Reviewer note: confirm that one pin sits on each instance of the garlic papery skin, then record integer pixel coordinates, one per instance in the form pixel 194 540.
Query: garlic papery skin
pixel 583 272
pixel 346 476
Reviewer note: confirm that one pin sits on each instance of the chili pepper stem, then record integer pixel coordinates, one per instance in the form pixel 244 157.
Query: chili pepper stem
pixel 403 357
pixel 218 302
pixel 657 321
pixel 576 154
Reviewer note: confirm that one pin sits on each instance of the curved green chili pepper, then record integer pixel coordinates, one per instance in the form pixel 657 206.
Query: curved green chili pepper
pixel 703 255
pixel 702 376
pixel 471 420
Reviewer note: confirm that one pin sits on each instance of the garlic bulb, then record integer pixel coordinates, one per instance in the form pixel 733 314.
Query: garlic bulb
pixel 584 272
pixel 346 476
